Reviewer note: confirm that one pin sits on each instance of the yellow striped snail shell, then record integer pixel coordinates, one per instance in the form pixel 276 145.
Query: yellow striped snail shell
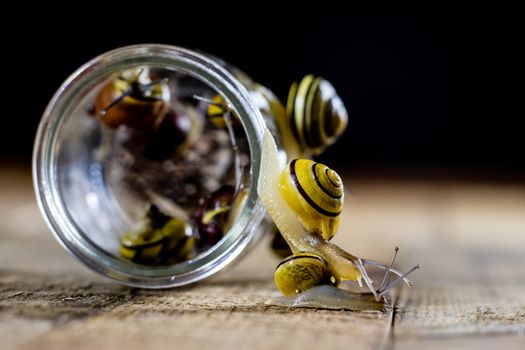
pixel 218 111
pixel 215 112
pixel 159 240
pixel 315 113
pixel 300 272
pixel 315 193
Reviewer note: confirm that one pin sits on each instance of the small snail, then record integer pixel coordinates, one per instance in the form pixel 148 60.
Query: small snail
pixel 216 111
pixel 159 240
pixel 157 127
pixel 302 235
pixel 211 216
pixel 300 272
pixel 315 114
pixel 132 99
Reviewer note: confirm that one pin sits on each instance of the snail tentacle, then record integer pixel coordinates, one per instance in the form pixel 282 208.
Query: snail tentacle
pixel 397 280
pixel 389 269
pixel 359 265
pixel 386 275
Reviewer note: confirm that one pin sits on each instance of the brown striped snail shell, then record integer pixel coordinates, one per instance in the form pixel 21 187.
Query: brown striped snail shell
pixel 315 113
pixel 315 193
pixel 131 98
pixel 301 272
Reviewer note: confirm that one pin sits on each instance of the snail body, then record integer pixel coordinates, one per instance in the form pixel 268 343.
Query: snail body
pixel 331 298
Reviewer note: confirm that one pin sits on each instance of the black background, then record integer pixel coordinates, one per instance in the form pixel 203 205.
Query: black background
pixel 428 86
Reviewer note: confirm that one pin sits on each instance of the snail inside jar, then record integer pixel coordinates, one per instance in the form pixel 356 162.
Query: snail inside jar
pixel 178 173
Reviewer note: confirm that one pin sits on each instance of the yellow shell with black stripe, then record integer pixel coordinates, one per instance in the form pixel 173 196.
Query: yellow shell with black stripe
pixel 300 272
pixel 315 113
pixel 315 193
pixel 216 111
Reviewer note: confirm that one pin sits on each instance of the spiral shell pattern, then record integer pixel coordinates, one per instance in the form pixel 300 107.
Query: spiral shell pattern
pixel 315 193
pixel 315 113
pixel 300 272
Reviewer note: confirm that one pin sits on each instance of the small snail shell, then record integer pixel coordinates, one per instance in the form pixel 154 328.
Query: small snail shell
pixel 159 240
pixel 157 246
pixel 316 114
pixel 315 194
pixel 300 272
pixel 215 111
pixel 132 99
pixel 211 216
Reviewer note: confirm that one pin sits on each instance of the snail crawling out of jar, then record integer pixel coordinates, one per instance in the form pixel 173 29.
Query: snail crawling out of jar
pixel 305 201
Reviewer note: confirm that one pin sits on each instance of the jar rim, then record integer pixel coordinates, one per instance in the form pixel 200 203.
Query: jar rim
pixel 45 179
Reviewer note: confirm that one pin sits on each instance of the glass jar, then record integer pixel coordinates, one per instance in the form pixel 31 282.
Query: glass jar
pixel 82 174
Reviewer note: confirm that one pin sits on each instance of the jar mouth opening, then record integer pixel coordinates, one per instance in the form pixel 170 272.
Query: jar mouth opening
pixel 46 173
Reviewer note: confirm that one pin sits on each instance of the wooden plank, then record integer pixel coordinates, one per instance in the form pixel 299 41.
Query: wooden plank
pixel 469 238
pixel 82 311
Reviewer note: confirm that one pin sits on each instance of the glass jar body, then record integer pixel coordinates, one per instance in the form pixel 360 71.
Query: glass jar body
pixel 78 175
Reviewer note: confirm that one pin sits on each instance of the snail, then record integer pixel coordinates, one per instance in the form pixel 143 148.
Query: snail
pixel 223 117
pixel 217 213
pixel 157 127
pixel 300 272
pixel 218 110
pixel 211 216
pixel 132 99
pixel 315 192
pixel 315 114
pixel 159 240
pixel 301 235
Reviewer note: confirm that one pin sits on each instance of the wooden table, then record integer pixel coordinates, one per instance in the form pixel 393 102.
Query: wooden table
pixel 470 239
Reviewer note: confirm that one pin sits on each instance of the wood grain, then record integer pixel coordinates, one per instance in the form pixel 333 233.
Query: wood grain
pixel 469 238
